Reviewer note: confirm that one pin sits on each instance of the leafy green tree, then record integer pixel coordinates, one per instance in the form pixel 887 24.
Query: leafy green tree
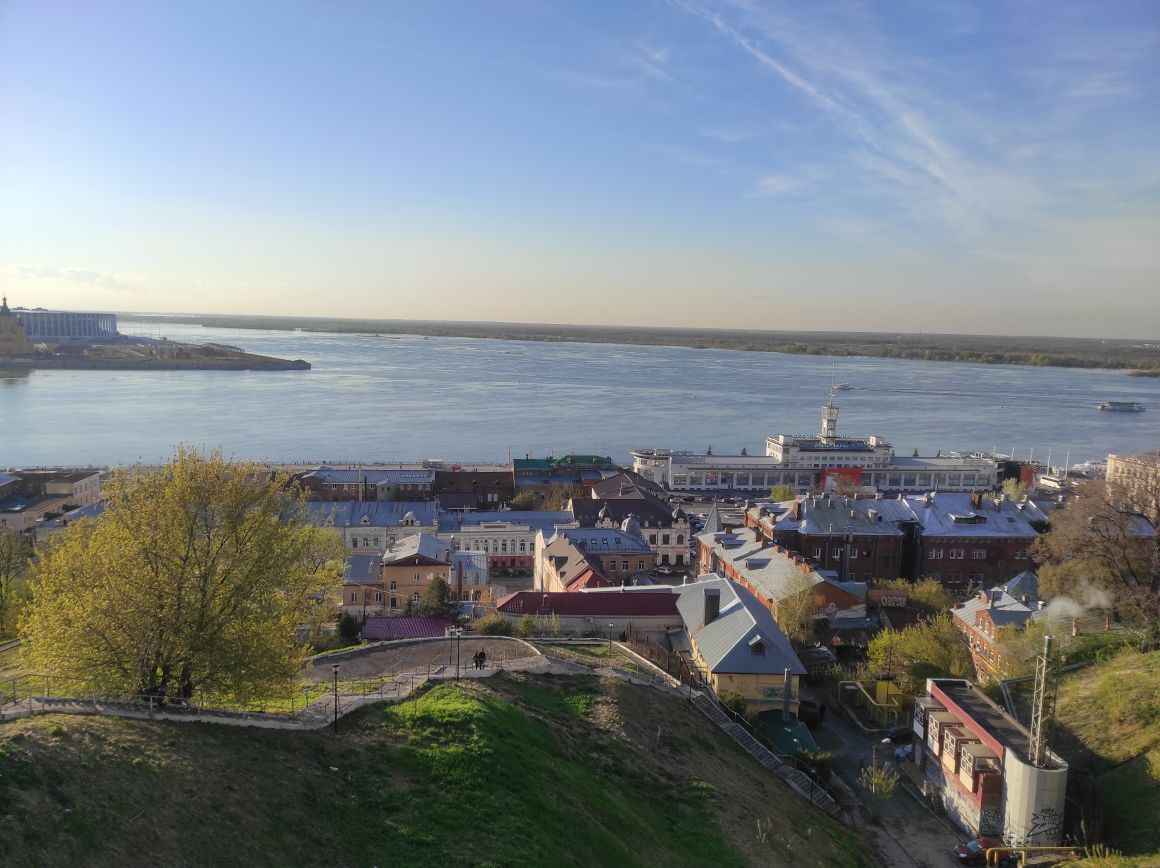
pixel 437 600
pixel 196 576
pixel 929 596
pixel 782 493
pixel 879 782
pixel 349 628
pixel 932 648
pixel 796 610
pixel 559 495
pixel 1014 489
pixel 526 626
pixel 734 701
pixel 15 552
pixel 525 501
pixel 494 624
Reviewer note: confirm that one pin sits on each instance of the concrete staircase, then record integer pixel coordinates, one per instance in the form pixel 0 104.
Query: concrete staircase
pixel 799 781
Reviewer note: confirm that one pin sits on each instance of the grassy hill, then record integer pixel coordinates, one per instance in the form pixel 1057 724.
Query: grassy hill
pixel 513 770
pixel 1108 728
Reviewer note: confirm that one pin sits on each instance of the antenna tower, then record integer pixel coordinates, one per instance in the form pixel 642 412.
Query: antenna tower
pixel 1042 705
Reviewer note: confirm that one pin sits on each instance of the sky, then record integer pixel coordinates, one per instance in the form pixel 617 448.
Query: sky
pixel 910 165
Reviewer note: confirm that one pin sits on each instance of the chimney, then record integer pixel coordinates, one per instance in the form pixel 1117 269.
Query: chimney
pixel 1042 605
pixel 852 513
pixel 976 500
pixel 991 604
pixel 796 510
pixel 712 605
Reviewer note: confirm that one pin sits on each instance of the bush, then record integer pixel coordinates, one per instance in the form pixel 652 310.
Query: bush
pixel 733 701
pixel 818 764
pixel 493 625
pixel 525 627
pixel 349 629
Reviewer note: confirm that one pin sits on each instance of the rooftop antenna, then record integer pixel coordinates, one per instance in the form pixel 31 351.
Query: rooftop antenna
pixel 1042 705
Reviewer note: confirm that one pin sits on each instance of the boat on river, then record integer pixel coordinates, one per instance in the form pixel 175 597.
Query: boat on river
pixel 1122 406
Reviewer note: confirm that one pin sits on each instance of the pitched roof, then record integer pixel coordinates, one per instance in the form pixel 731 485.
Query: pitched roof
pixel 713 522
pixel 361 570
pixel 418 545
pixel 628 485
pixel 588 578
pixel 596 604
pixel 774 572
pixel 375 513
pixel 727 643
pixel 646 509
pixel 546 520
pixel 946 514
pixel 1004 604
pixel 605 541
pixel 408 627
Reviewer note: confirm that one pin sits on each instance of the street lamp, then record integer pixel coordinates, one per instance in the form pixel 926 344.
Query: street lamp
pixel 610 626
pixel 456 634
pixel 334 668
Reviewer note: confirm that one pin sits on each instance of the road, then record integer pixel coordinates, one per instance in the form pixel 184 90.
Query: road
pixel 909 833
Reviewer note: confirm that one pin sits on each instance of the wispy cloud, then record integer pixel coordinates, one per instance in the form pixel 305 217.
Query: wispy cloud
pixel 83 276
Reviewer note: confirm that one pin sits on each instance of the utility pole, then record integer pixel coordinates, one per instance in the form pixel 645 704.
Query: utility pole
pixel 334 668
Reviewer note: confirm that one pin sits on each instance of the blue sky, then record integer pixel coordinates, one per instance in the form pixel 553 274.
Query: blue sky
pixel 935 166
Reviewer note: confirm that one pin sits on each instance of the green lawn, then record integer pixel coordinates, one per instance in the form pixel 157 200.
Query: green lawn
pixel 514 770
pixel 1107 726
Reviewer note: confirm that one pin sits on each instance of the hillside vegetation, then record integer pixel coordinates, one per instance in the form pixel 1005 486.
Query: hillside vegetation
pixel 1108 729
pixel 513 770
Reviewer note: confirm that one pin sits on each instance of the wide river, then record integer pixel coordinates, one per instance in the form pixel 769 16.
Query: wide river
pixel 404 398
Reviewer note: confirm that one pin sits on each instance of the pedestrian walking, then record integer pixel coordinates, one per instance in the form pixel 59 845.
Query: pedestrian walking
pixel 482 659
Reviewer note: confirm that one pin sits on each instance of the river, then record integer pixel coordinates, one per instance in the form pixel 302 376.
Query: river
pixel 408 397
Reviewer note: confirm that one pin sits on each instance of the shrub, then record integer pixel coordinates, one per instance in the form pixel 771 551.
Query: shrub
pixel 733 701
pixel 525 627
pixel 493 625
pixel 818 764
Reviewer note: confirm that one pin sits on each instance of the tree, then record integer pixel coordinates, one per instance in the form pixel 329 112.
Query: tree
pixel 796 610
pixel 437 600
pixel 1093 542
pixel 15 551
pixel 349 628
pixel 879 782
pixel 782 493
pixel 559 495
pixel 1014 489
pixel 494 624
pixel 929 649
pixel 526 626
pixel 733 701
pixel 525 501
pixel 196 576
pixel 929 596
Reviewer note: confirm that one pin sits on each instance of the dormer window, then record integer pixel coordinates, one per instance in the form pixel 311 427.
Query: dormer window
pixel 365 521
pixel 757 645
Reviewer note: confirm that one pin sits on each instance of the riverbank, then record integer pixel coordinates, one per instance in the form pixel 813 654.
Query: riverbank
pixel 1136 355
pixel 248 363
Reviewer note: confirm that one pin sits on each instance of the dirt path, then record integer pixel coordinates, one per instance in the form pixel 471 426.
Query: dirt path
pixel 420 656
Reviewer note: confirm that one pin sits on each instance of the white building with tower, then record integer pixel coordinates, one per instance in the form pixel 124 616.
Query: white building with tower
pixel 806 461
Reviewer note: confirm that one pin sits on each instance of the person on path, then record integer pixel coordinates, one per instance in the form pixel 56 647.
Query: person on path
pixel 482 659
pixel 475 660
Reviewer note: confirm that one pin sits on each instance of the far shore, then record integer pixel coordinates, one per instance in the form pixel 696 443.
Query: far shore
pixel 1140 357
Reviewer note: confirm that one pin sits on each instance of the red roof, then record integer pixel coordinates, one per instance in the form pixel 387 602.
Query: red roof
pixel 408 627
pixel 598 604
pixel 589 579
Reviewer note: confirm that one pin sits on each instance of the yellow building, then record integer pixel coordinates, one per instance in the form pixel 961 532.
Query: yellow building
pixel 738 647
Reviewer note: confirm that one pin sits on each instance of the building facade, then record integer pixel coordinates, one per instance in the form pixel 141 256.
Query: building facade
pixel 977 758
pixel 56 326
pixel 373 525
pixel 1134 481
pixel 507 538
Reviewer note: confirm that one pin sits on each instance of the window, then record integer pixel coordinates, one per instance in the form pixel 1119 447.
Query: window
pixel 936 554
pixel 958 554
pixel 853 553
pixel 680 539
pixel 378 596
pixel 394 602
pixel 680 560
pixel 817 554
pixel 640 565
pixel 652 539
pixel 354 542
pixel 394 585
pixel 612 566
pixel 353 598
pixel 836 553
pixel 624 566
pixel 416 577
pixel 523 546
pixel 664 539
pixel 978 554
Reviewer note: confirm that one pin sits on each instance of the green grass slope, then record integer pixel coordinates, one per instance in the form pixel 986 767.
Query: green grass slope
pixel 514 770
pixel 1107 726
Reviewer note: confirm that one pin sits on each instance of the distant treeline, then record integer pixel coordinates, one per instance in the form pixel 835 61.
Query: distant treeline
pixel 987 349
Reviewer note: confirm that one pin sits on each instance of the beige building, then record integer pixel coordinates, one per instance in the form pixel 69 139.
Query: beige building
pixel 738 647
pixel 1134 480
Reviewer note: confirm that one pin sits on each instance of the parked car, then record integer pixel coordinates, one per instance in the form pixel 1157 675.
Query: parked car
pixel 899 734
pixel 664 571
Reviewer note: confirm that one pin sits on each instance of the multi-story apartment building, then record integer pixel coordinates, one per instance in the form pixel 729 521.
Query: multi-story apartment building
pixel 373 525
pixel 972 541
pixel 507 539
pixel 28 498
pixel 665 529
pixel 981 617
pixel 977 758
pixel 1134 481
pixel 590 557
pixel 401 482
